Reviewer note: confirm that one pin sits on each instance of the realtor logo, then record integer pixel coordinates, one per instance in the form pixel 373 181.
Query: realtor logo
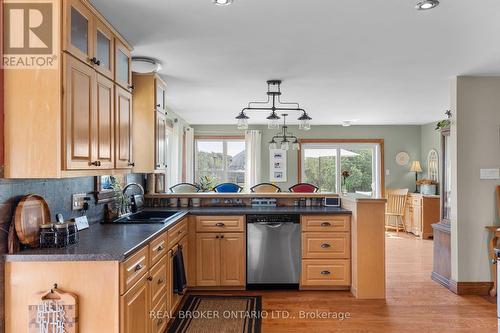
pixel 29 34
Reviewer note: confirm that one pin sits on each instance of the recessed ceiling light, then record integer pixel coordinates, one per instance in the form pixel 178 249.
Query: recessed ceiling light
pixel 427 4
pixel 223 2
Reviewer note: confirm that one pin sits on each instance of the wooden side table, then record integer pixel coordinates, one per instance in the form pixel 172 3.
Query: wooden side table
pixel 495 231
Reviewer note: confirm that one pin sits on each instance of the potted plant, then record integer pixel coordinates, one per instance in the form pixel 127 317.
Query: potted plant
pixel 206 184
pixel 445 123
pixel 122 202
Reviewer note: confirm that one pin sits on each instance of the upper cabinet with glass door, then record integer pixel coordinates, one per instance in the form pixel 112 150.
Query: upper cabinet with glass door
pixel 104 45
pixel 78 30
pixel 161 91
pixel 123 70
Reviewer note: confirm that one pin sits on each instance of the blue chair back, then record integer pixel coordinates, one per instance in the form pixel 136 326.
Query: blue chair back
pixel 228 188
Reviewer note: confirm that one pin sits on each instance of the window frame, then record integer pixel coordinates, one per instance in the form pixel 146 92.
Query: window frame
pixel 224 139
pixel 378 168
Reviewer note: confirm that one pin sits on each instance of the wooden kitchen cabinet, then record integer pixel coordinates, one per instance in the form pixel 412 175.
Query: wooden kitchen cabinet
pixel 123 120
pixel 326 252
pixel 160 141
pixel 220 256
pixel 152 125
pixel 123 65
pixel 72 108
pixel 232 259
pixel 134 308
pixel 79 115
pixel 78 30
pixel 207 260
pixel 104 125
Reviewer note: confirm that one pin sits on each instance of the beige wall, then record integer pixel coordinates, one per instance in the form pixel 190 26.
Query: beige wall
pixel 476 140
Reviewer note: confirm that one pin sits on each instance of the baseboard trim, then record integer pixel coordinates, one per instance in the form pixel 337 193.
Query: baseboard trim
pixel 445 282
pixel 471 288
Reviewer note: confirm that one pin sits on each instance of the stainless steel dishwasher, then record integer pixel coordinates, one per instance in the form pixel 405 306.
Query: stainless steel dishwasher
pixel 273 251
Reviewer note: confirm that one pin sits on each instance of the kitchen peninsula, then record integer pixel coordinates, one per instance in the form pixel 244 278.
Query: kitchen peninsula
pixel 121 272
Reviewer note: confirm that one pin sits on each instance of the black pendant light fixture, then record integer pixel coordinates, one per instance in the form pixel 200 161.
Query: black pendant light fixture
pixel 274 105
pixel 284 138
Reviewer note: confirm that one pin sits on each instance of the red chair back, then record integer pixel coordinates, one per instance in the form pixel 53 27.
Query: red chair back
pixel 303 188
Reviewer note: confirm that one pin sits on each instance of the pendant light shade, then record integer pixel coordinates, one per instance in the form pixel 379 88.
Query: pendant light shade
pixel 304 122
pixel 273 121
pixel 273 145
pixel 285 145
pixel 242 121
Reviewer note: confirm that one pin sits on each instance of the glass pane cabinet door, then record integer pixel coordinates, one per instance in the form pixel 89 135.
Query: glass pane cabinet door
pixel 122 67
pixel 79 31
pixel 104 43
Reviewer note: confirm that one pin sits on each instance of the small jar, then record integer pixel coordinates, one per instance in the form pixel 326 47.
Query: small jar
pixel 47 235
pixel 72 233
pixel 61 234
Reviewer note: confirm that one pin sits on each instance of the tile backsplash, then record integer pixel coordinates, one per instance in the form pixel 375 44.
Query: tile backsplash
pixel 57 193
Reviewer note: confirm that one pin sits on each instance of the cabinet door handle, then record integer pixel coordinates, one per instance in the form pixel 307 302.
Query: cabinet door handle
pixel 179 232
pixel 217 237
pixel 158 105
pixel 131 86
pixel 160 281
pixel 160 248
pixel 220 225
pixel 150 278
pixel 325 273
pixel 325 246
pixel 222 236
pixel 138 267
pixel 326 224
pixel 132 164
pixel 96 163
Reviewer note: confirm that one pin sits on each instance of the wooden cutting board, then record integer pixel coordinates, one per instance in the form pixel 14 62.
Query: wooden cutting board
pixel 31 212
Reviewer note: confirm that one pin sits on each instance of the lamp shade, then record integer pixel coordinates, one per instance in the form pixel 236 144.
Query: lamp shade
pixel 415 166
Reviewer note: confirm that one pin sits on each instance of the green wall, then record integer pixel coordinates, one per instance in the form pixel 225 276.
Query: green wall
pixel 396 138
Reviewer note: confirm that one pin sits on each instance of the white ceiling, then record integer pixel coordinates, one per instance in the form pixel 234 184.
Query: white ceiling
pixel 377 61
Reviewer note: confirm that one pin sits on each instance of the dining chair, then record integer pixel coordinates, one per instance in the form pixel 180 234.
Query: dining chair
pixel 395 208
pixel 184 188
pixel 228 188
pixel 265 188
pixel 303 188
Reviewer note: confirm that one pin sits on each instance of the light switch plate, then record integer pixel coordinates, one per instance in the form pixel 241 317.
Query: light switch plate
pixel 490 174
pixel 77 201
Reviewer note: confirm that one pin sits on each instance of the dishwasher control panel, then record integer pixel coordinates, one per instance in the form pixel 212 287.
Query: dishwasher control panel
pixel 273 218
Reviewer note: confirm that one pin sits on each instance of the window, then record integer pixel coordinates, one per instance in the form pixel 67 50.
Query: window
pixel 323 164
pixel 222 159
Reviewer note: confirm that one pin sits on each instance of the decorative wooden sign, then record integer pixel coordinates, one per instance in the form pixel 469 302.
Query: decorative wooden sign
pixel 53 311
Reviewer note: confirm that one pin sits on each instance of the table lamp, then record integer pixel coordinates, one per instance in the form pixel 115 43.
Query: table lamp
pixel 415 167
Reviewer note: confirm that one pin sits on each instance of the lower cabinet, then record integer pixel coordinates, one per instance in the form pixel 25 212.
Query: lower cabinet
pixel 146 283
pixel 326 255
pixel 421 212
pixel 220 256
pixel 134 308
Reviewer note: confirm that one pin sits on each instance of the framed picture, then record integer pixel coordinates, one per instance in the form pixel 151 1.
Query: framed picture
pixel 277 164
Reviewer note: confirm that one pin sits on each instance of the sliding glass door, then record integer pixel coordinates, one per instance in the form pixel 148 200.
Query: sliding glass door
pixel 346 167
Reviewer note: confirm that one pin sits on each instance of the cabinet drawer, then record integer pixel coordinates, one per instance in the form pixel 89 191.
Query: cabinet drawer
pixel 415 200
pixel 326 222
pixel 158 248
pixel 177 233
pixel 158 279
pixel 159 320
pixel 220 223
pixel 332 245
pixel 132 269
pixel 326 272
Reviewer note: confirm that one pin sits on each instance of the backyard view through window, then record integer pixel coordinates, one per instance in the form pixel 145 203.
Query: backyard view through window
pixel 349 168
pixel 223 160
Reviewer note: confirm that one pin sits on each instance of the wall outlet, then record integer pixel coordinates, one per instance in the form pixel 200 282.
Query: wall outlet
pixel 387 172
pixel 78 201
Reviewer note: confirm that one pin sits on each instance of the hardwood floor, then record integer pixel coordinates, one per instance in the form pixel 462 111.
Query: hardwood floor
pixel 414 302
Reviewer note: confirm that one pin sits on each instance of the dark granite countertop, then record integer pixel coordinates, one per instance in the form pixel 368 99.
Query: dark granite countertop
pixel 115 242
